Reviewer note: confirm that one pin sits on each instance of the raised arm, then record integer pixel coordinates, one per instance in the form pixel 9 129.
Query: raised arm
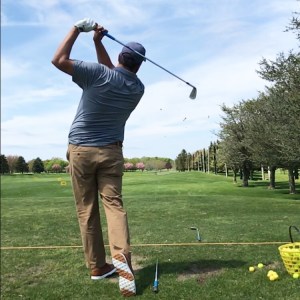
pixel 102 55
pixel 61 57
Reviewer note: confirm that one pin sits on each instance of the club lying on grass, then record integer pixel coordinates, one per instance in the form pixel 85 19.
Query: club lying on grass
pixel 193 93
pixel 198 234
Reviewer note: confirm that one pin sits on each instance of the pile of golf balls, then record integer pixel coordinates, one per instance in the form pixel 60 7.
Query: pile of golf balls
pixel 272 275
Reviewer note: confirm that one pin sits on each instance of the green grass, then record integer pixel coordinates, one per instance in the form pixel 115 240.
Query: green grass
pixel 36 210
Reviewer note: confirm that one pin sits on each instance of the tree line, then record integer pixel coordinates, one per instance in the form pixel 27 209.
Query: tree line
pixel 263 132
pixel 148 163
pixel 16 164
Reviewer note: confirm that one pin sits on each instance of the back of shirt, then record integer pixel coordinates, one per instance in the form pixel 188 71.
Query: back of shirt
pixel 108 99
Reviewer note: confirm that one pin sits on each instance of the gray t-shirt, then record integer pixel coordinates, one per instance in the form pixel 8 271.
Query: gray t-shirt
pixel 109 96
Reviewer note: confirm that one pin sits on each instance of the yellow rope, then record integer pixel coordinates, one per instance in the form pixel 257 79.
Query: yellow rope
pixel 152 245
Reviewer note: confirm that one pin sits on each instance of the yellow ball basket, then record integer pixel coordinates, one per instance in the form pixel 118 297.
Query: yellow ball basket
pixel 290 254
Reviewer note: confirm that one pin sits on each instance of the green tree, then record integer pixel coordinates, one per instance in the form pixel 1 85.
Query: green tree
pixel 189 161
pixel 21 165
pixel 284 99
pixel 4 168
pixel 213 156
pixel 38 166
pixel 197 160
pixel 228 157
pixel 261 134
pixel 49 163
pixel 294 25
pixel 181 161
pixel 233 134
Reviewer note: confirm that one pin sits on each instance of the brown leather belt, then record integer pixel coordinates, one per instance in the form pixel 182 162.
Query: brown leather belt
pixel 118 143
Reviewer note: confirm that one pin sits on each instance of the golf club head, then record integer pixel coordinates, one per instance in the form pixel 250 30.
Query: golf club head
pixel 198 234
pixel 193 94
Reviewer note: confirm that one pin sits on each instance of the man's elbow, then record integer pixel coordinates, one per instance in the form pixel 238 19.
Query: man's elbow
pixel 63 65
pixel 56 62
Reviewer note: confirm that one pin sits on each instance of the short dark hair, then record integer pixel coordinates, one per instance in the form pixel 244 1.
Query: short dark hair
pixel 128 61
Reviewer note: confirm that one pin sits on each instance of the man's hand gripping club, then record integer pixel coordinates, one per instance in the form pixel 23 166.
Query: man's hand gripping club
pixel 86 25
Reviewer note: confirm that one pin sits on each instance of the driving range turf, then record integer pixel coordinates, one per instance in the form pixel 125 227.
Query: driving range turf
pixel 42 258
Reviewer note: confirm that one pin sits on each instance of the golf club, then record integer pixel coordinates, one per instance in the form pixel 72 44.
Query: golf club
pixel 155 284
pixel 290 232
pixel 198 235
pixel 194 90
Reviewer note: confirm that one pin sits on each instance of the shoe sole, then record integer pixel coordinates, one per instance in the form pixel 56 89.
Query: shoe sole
pixel 126 277
pixel 93 277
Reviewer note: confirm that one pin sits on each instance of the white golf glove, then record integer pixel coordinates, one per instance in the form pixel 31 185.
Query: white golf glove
pixel 85 25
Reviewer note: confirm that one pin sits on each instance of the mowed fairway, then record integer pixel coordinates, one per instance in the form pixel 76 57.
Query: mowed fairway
pixel 41 256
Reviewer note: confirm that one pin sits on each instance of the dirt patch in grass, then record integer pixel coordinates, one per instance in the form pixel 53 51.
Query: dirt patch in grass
pixel 273 265
pixel 199 273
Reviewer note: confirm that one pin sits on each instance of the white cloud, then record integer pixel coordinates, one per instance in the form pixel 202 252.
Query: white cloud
pixel 11 68
pixel 34 130
pixel 31 95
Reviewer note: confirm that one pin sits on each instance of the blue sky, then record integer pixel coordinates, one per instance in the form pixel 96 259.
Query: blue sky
pixel 215 45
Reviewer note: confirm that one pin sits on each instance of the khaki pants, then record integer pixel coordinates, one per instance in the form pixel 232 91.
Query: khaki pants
pixel 99 170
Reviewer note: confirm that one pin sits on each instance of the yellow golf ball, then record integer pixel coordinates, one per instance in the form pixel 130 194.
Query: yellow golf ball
pixel 260 265
pixel 270 273
pixel 296 275
pixel 274 276
pixel 251 269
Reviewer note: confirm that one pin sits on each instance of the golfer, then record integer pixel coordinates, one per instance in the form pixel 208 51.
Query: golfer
pixel 109 95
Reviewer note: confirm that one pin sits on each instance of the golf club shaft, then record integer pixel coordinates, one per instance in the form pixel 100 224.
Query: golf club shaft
pixel 155 284
pixel 290 231
pixel 114 39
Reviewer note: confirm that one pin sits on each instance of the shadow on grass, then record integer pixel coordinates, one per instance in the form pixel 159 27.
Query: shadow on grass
pixel 190 269
pixel 280 187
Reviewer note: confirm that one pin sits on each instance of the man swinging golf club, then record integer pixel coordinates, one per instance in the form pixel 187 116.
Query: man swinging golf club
pixel 109 95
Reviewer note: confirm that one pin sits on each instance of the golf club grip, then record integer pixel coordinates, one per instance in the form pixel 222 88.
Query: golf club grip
pixel 108 35
pixel 155 286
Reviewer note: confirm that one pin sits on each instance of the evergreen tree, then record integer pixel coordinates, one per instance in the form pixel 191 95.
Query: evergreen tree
pixel 181 161
pixel 21 165
pixel 4 168
pixel 38 166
